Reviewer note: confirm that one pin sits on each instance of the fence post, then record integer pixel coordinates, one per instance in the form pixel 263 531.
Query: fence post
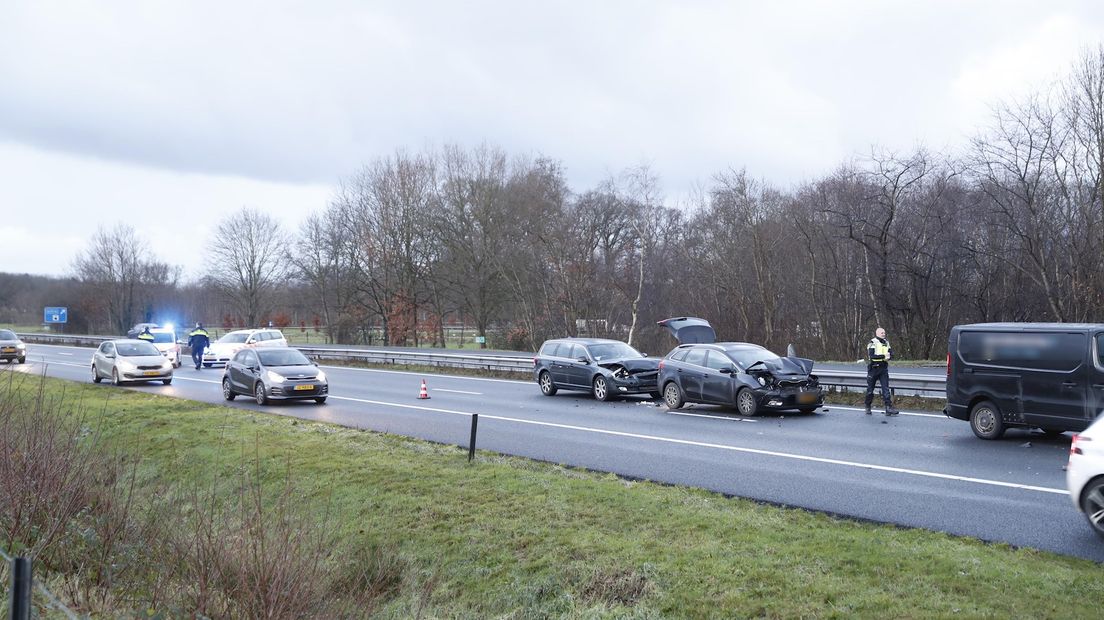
pixel 20 589
pixel 471 442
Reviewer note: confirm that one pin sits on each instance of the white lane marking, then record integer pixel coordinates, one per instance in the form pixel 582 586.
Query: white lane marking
pixel 717 446
pixel 69 354
pixel 919 415
pixel 687 442
pixel 713 417
pixel 430 374
pixel 458 391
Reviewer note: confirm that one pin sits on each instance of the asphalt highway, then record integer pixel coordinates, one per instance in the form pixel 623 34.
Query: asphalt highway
pixel 919 469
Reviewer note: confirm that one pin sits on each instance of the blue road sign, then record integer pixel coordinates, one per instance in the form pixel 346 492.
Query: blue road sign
pixel 55 314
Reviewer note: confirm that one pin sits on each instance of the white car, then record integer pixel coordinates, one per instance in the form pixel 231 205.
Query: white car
pixel 164 338
pixel 130 360
pixel 221 350
pixel 1085 474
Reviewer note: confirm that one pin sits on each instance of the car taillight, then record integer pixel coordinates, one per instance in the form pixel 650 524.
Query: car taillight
pixel 948 363
pixel 1074 449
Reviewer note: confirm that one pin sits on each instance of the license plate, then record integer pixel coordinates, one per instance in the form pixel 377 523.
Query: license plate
pixel 151 373
pixel 304 387
pixel 807 397
pixel 9 349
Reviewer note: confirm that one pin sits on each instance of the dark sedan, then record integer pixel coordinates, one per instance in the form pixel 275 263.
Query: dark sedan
pixel 739 374
pixel 274 374
pixel 605 368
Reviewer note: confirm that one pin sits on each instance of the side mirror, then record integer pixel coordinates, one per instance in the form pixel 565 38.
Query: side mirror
pixel 582 359
pixel 727 371
pixel 643 355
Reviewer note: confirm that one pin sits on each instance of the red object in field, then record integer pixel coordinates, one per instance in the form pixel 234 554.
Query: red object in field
pixel 424 394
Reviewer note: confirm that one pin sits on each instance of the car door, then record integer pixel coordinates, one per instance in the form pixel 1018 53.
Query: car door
pixel 244 370
pixel 691 374
pixel 1055 381
pixel 578 373
pixel 100 359
pixel 717 386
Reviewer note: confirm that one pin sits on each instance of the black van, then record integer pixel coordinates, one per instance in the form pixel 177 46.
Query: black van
pixel 1043 375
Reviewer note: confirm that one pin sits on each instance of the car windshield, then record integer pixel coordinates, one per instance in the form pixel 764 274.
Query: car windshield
pixel 234 338
pixel 613 351
pixel 136 349
pixel 283 357
pixel 746 357
pixel 164 337
pixel 7 334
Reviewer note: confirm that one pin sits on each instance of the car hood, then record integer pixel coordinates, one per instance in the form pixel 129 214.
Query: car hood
pixel 690 330
pixel 785 368
pixel 632 365
pixel 225 348
pixel 10 343
pixel 295 372
pixel 141 360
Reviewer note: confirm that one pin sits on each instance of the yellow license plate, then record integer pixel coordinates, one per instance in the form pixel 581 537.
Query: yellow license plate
pixel 304 387
pixel 807 397
pixel 9 349
pixel 151 373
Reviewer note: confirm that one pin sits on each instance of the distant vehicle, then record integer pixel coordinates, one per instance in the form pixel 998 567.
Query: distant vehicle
pixel 221 350
pixel 138 328
pixel 1085 474
pixel 125 361
pixel 164 338
pixel 1043 375
pixel 605 368
pixel 739 374
pixel 274 374
pixel 12 348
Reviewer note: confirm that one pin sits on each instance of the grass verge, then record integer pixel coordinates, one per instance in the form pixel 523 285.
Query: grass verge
pixel 508 537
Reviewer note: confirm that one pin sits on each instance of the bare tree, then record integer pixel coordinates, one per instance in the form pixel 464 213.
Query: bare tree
pixel 248 261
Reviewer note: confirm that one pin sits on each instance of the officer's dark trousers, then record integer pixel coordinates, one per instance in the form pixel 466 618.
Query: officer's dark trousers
pixel 877 373
pixel 197 356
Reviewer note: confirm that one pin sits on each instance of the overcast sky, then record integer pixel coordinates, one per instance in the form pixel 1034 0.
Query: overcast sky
pixel 169 115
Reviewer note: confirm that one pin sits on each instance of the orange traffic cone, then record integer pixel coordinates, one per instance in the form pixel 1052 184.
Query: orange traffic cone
pixel 424 394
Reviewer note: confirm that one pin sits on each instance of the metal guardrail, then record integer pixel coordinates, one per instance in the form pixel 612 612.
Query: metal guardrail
pixel 933 385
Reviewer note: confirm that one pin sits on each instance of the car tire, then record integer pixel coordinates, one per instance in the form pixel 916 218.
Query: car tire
pixel 227 391
pixel 746 403
pixel 96 378
pixel 600 388
pixel 115 380
pixel 321 400
pixel 167 381
pixel 985 421
pixel 655 395
pixel 259 394
pixel 22 360
pixel 1092 504
pixel 672 396
pixel 544 380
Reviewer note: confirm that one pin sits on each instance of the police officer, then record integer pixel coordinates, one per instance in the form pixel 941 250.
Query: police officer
pixel 198 340
pixel 145 335
pixel 878 352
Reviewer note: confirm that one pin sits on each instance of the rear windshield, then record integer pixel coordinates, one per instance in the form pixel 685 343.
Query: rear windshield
pixel 7 334
pixel 164 337
pixel 136 349
pixel 282 357
pixel 1038 350
pixel 234 338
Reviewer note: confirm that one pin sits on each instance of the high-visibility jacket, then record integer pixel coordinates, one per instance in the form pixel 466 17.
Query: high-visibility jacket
pixel 878 349
pixel 199 338
pixel 148 337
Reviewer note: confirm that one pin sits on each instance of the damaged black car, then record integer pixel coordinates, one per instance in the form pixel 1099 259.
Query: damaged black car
pixel 605 368
pixel 740 374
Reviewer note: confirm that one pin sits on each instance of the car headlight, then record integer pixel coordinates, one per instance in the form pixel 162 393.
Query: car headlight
pixel 762 381
pixel 125 365
pixel 165 365
pixel 273 377
pixel 321 376
pixel 21 346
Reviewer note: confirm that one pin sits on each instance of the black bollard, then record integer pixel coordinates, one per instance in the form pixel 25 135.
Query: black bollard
pixel 471 442
pixel 21 589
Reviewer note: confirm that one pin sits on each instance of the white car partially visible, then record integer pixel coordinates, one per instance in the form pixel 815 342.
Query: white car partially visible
pixel 1085 474
pixel 221 350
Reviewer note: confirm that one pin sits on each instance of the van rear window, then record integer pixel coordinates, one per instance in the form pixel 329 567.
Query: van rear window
pixel 1037 351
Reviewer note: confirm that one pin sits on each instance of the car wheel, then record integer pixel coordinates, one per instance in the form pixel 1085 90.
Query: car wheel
pixel 985 421
pixel 167 381
pixel 321 400
pixel 655 395
pixel 259 394
pixel 601 389
pixel 672 395
pixel 227 393
pixel 545 381
pixel 746 403
pixel 22 360
pixel 1092 504
pixel 96 378
pixel 115 377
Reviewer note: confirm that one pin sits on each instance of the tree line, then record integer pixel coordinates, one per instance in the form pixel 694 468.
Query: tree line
pixel 1011 228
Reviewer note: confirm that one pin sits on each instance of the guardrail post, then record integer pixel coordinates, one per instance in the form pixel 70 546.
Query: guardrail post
pixel 20 589
pixel 471 442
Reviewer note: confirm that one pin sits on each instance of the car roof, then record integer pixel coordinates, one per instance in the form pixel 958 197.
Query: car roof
pixel 163 330
pixel 1055 327
pixel 584 340
pixel 724 346
pixel 125 340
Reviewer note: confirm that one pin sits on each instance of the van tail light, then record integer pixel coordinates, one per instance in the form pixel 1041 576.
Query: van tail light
pixel 1074 448
pixel 948 364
